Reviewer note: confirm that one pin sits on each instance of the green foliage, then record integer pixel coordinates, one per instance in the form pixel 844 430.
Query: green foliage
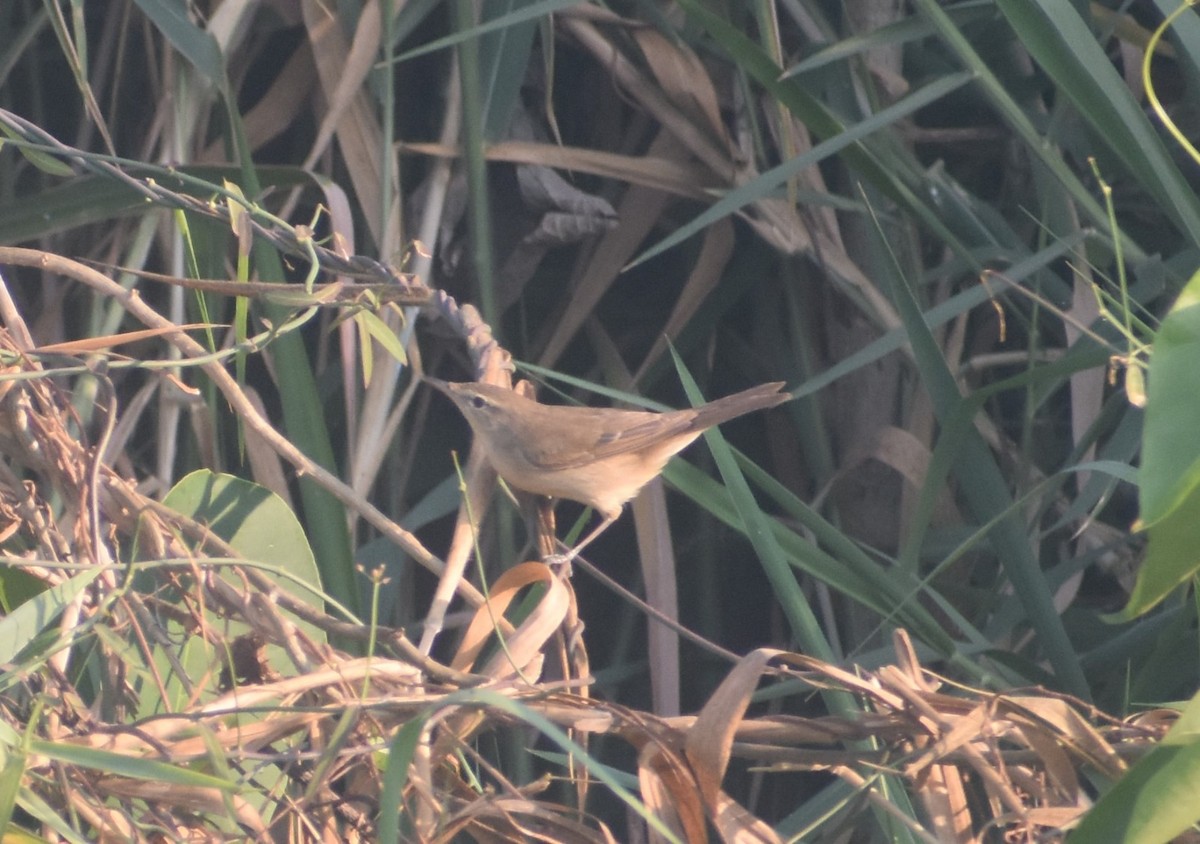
pixel 260 527
pixel 1169 480
pixel 1155 800
pixel 25 624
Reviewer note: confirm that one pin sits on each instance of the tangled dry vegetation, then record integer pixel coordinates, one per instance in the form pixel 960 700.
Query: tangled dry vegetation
pixel 162 684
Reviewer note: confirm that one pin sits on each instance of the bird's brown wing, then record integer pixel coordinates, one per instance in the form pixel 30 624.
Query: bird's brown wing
pixel 678 423
pixel 640 436
pixel 637 430
pixel 575 446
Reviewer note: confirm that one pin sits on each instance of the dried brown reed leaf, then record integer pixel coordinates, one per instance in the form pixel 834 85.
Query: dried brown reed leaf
pixel 710 739
pixel 900 450
pixel 88 345
pixel 948 734
pixel 355 67
pixel 656 553
pixel 277 109
pixel 675 176
pixel 695 138
pixel 638 212
pixel 112 825
pixel 669 791
pixel 183 745
pixel 714 256
pixel 945 800
pixel 684 78
pixel 522 648
pixel 738 826
pixel 971 735
pixel 1026 766
pixel 359 136
pixel 513 819
pixel 961 737
pixel 208 800
pixel 1056 762
pixel 1070 729
pixel 709 744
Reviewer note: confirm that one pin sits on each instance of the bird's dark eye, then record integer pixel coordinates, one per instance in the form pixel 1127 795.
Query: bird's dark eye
pixel 478 402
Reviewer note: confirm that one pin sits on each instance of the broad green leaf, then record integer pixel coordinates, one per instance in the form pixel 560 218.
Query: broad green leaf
pixel 21 626
pixel 1171 449
pixel 1155 801
pixel 263 529
pixel 255 521
pixel 1169 478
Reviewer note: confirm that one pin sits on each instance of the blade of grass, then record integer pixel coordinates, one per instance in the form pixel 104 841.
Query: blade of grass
pixel 1012 113
pixel 1063 44
pixel 763 185
pixel 940 314
pixel 757 528
pixel 118 764
pixel 399 756
pixel 902 32
pixel 530 12
pixel 984 488
pixel 881 168
pixel 478 213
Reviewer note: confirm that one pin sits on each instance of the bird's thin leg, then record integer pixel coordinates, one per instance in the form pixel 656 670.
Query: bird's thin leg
pixel 564 560
pixel 600 528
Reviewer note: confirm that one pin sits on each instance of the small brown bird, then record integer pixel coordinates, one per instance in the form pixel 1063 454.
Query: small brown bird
pixel 596 456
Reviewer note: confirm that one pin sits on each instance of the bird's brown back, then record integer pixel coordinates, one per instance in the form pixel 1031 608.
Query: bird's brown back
pixel 600 456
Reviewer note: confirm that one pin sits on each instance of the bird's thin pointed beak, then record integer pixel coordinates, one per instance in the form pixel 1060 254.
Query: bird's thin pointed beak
pixel 437 383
